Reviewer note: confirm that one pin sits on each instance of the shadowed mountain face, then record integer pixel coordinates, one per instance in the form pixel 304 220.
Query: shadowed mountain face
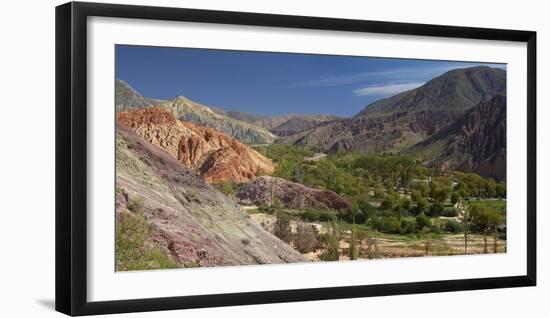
pixel 282 125
pixel 391 133
pixel 394 124
pixel 191 221
pixel 217 157
pixel 476 142
pixel 456 90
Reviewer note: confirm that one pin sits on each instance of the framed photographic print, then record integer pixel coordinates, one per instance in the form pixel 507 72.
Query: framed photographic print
pixel 209 158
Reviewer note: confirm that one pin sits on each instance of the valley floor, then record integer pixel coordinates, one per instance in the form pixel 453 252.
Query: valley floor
pixel 380 245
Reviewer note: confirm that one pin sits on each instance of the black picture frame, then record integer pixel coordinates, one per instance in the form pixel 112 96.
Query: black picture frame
pixel 71 157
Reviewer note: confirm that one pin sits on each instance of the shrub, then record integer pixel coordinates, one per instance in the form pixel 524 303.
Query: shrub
pixel 408 226
pixel 388 224
pixel 227 188
pixel 388 203
pixel 353 217
pixel 131 254
pixel 326 216
pixel 422 221
pixel 450 212
pixel 453 226
pixel 136 205
pixel 282 228
pixel 311 215
pixel 304 239
pixel 436 209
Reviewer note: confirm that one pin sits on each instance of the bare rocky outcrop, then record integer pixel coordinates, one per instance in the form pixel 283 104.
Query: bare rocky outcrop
pixel 191 221
pixel 216 156
pixel 265 189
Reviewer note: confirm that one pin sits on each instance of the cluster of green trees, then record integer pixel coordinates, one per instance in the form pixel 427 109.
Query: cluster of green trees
pixel 393 194
pixel 351 174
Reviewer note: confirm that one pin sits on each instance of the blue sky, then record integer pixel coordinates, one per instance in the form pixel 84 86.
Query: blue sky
pixel 273 83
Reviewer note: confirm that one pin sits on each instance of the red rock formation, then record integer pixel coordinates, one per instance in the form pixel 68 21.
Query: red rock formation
pixel 217 157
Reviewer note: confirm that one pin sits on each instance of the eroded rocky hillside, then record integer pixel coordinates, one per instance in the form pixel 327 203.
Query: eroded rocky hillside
pixel 190 220
pixel 216 156
pixel 476 142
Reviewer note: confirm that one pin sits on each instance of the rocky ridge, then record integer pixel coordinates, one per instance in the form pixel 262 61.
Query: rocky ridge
pixel 476 142
pixel 216 156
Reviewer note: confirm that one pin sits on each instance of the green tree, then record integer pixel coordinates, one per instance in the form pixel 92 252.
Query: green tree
pixel 436 209
pixel 439 192
pixel 388 224
pixel 422 221
pixel 378 190
pixel 486 219
pixel 500 189
pixel 406 204
pixel 490 188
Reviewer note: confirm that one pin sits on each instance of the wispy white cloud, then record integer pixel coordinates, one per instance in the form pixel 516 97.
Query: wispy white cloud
pixel 394 75
pixel 386 90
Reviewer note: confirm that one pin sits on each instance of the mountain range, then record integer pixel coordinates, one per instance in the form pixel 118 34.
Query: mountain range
pixel 398 123
pixel 412 122
pixel 245 127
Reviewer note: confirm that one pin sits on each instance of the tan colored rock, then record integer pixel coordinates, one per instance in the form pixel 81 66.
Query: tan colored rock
pixel 216 156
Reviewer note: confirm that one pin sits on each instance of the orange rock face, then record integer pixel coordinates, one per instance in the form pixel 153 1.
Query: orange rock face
pixel 216 156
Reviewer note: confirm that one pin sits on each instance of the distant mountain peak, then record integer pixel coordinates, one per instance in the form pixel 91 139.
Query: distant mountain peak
pixel 456 90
